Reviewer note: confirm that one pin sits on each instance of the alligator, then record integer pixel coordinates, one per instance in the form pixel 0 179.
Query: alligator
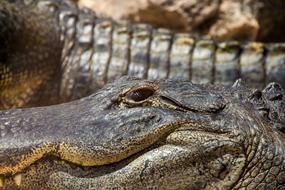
pixel 52 51
pixel 149 134
pixel 134 133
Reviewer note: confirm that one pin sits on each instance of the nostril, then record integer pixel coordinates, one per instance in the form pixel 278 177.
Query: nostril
pixel 256 95
pixel 140 94
pixel 275 86
pixel 273 91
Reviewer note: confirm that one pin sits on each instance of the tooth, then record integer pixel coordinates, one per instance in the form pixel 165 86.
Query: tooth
pixel 17 179
pixel 1 181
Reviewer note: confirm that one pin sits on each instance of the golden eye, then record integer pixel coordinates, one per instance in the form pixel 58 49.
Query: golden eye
pixel 140 94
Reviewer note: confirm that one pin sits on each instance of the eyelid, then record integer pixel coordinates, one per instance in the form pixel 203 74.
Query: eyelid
pixel 151 90
pixel 140 94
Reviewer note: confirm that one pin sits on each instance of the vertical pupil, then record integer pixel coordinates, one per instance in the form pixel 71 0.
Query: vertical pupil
pixel 141 94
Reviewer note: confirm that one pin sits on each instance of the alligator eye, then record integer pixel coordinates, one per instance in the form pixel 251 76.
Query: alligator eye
pixel 140 94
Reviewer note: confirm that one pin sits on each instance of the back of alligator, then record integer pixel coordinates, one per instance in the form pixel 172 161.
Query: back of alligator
pixel 66 53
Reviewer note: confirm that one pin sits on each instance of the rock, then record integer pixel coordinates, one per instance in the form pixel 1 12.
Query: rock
pixel 218 19
pixel 179 14
pixel 270 15
pixel 233 23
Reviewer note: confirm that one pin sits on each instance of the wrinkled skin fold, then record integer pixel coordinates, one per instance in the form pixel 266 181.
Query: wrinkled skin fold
pixel 137 134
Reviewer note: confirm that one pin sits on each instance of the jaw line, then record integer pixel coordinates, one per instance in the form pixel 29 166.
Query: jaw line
pixel 163 140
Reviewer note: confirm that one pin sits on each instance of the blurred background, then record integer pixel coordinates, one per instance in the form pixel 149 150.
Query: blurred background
pixel 260 20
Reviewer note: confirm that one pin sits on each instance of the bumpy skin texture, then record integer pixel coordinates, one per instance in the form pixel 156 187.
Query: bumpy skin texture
pixel 29 56
pixel 133 134
pixel 140 134
pixel 53 52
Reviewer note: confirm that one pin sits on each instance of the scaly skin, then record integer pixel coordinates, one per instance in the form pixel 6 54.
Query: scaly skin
pixel 139 134
pixel 53 52
pixel 30 55
pixel 133 134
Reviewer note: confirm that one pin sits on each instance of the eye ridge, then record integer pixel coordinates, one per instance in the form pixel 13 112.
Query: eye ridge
pixel 140 94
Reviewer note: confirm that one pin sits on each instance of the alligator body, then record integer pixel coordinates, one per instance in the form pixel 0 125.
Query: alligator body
pixel 53 52
pixel 140 134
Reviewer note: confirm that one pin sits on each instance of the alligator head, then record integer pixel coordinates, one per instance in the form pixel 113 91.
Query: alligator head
pixel 138 134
